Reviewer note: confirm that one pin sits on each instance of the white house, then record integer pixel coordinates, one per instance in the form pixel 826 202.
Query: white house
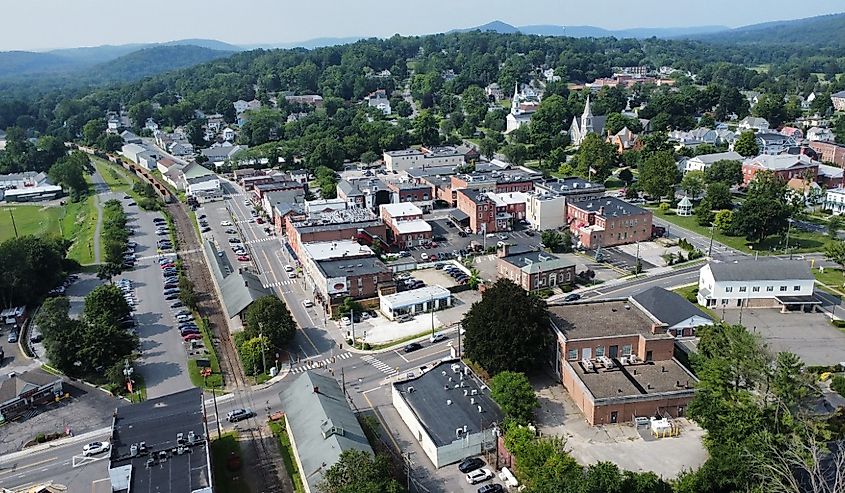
pixel 753 123
pixel 757 283
pixel 834 200
pixel 704 161
pixel 671 310
pixel 820 134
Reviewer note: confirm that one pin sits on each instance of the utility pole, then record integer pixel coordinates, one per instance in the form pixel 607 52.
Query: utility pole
pixel 216 412
pixel 352 322
pixel 637 264
pixel 13 222
pixel 710 248
pixel 788 228
pixel 408 465
pixel 431 300
pixel 263 356
pixel 343 380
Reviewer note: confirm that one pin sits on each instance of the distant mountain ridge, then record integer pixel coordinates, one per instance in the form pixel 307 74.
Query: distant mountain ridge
pixel 593 31
pixel 823 30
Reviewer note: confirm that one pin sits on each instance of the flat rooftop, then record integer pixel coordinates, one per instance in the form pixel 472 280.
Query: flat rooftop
pixel 572 185
pixel 351 267
pixel 610 207
pixel 594 319
pixel 325 250
pixel 534 261
pixel 632 381
pixel 401 209
pixel 412 226
pixel 428 402
pixel 414 296
pixel 157 422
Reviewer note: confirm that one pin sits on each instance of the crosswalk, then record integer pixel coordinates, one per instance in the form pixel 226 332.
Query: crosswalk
pixel 278 284
pixel 311 364
pixel 258 240
pixel 378 365
pixel 156 256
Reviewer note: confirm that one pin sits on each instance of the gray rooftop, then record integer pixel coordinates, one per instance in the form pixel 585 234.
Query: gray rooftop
pixel 239 288
pixel 761 270
pixel 667 306
pixel 321 423
pixel 719 156
pixel 157 422
pixel 610 207
pixel 571 186
pixel 428 402
pixel 636 381
pixel 595 319
pixel 352 267
pixel 534 261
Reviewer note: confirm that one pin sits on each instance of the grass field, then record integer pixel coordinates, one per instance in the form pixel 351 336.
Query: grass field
pixel 76 221
pixel 226 481
pixel 799 241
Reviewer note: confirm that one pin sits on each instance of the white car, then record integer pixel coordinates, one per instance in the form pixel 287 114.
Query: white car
pixel 345 321
pixel 423 256
pixel 94 448
pixel 288 268
pixel 479 475
pixel 292 275
pixel 307 303
pixel 225 223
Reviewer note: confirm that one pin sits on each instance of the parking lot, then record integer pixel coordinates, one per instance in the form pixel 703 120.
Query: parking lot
pixel 450 243
pixel 809 335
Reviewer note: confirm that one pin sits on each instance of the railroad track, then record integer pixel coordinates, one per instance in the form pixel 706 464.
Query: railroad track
pixel 235 380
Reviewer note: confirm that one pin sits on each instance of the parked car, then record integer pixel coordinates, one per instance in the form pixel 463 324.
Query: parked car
pixel 234 240
pixel 178 304
pixel 307 303
pixel 171 297
pixel 479 475
pixel 231 231
pixel 491 488
pixel 437 338
pixel 572 297
pixel 225 223
pixel 243 258
pixel 13 336
pixel 94 448
pixel 423 256
pixel 239 415
pixel 414 346
pixel 288 268
pixel 470 464
pixel 191 337
pixel 404 318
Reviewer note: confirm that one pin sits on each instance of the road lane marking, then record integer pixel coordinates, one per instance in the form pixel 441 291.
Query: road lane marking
pixel 401 356
pixel 372 389
pixel 27 466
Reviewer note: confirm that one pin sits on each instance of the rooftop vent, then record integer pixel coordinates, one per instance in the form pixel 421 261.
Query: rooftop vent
pixel 479 409
pixel 448 402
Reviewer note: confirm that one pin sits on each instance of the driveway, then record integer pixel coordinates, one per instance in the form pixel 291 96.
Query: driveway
pixel 809 335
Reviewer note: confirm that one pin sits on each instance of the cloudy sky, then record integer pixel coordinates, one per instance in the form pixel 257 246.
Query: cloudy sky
pixel 46 24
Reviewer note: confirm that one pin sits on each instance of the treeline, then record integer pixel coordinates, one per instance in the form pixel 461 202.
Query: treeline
pixel 114 237
pixel 30 267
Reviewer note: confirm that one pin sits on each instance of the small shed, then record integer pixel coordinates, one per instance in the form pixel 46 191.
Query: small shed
pixel 685 207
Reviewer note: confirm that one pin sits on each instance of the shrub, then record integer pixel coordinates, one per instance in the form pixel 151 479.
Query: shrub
pixel 838 384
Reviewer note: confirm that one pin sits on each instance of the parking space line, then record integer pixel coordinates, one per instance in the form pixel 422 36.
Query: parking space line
pixel 401 356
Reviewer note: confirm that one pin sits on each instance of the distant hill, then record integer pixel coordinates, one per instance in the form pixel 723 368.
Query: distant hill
pixel 15 63
pixel 308 44
pixel 593 31
pixel 155 60
pixel 825 30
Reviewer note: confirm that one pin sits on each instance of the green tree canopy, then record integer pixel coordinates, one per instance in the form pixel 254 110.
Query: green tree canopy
pixel 507 330
pixel 658 175
pixel 357 471
pixel 270 316
pixel 726 171
pixel 515 395
pixel 746 144
pixel 596 154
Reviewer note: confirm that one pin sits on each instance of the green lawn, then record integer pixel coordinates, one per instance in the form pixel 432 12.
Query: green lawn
pixel 115 177
pixel 75 221
pixel 216 378
pixel 799 241
pixel 689 293
pixel 226 481
pixel 833 278
pixel 279 429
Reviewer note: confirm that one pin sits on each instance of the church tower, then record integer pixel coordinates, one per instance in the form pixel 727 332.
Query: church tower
pixel 515 100
pixel 587 118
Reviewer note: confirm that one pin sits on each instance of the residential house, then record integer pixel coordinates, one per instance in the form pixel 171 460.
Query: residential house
pixel 219 155
pixel 763 283
pixel 314 100
pixel 365 192
pixel 534 270
pixel 792 132
pixel 494 92
pixel 820 134
pixel 773 143
pixel 624 140
pixel 834 201
pixel 838 99
pixel 617 362
pixel 785 166
pixel 704 161
pixel 608 222
pixel 129 137
pixel 753 123
pixel 378 99
pixel 320 426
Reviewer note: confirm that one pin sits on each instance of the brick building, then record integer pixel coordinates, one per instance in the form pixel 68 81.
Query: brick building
pixel 419 194
pixel 332 226
pixel 829 152
pixel 786 166
pixel 406 224
pixel 608 222
pixel 360 278
pixel 616 361
pixel 534 270
pixel 545 207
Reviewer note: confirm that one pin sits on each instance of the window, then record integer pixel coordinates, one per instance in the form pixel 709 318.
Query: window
pixel 626 350
pixel 729 289
pixel 796 288
pixel 783 288
pixel 572 355
pixel 756 289
pixel 742 289
pixel 770 288
pixel 599 351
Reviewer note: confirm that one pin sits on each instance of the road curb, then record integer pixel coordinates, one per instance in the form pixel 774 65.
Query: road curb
pixel 53 444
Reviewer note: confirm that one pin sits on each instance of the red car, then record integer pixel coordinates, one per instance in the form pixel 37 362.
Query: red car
pixel 259 220
pixel 167 266
pixel 243 258
pixel 191 337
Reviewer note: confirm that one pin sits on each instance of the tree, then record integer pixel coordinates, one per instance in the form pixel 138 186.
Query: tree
pixel 602 477
pixel 369 157
pixel 727 171
pixel 31 267
pixel 357 471
pixel 348 306
pixel 105 305
pixel 507 329
pixel 693 183
pixel 626 175
pixel 108 270
pixel 69 173
pixel 474 102
pixel 771 107
pixel 658 175
pixel 566 242
pixel 53 316
pixel 551 239
pixel 765 210
pixel 425 127
pixel 270 316
pixel 835 251
pixel 834 224
pixel 724 221
pixel 596 154
pixel 488 147
pixel 746 144
pixel 514 394
pixel 718 196
pixel 516 154
pixel 253 352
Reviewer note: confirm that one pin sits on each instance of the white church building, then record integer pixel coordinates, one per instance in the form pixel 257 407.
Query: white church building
pixel 588 124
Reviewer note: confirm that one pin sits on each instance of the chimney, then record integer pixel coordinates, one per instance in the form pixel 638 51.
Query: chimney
pixel 316 389
pixel 601 211
pixel 503 251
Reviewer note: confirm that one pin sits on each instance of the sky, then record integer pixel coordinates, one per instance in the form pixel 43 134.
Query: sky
pixel 48 24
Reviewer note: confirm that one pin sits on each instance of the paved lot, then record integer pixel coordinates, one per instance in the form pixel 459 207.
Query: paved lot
pixel 621 444
pixel 87 409
pixel 809 335
pixel 163 358
pixel 651 252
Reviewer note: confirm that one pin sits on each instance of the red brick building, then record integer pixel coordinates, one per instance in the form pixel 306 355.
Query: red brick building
pixel 406 224
pixel 420 194
pixel 339 225
pixel 786 166
pixel 480 209
pixel 616 361
pixel 534 270
pixel 830 152
pixel 608 222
